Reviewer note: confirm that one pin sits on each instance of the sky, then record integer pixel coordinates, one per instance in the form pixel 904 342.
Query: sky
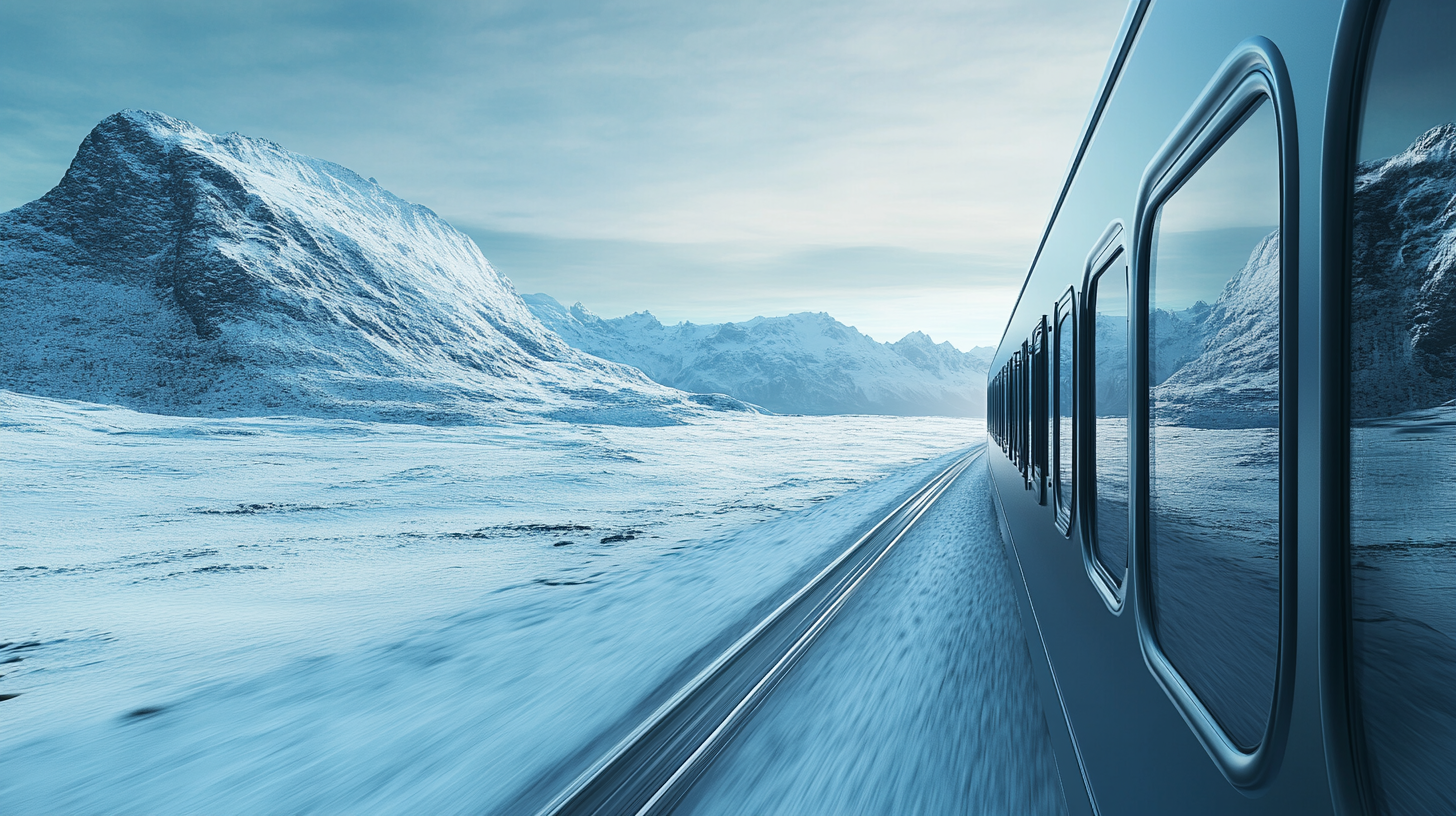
pixel 1209 229
pixel 1411 77
pixel 890 162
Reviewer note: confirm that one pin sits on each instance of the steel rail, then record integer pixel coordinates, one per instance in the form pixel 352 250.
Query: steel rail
pixel 650 769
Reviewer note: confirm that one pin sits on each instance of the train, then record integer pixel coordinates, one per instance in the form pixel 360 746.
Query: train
pixel 1222 417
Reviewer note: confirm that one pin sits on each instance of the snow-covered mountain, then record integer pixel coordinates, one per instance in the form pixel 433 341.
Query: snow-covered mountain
pixel 1403 303
pixel 803 363
pixel 1111 365
pixel 1403 300
pixel 177 272
pixel 1218 366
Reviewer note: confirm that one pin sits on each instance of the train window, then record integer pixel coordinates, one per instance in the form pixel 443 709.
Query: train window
pixel 1001 411
pixel 1048 409
pixel 1018 431
pixel 1062 403
pixel 1213 435
pixel 1037 405
pixel 995 408
pixel 993 413
pixel 1023 407
pixel 1402 377
pixel 1000 404
pixel 1107 309
pixel 1002 395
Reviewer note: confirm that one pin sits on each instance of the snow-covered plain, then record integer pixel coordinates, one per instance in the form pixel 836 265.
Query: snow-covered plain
pixel 1403 574
pixel 243 615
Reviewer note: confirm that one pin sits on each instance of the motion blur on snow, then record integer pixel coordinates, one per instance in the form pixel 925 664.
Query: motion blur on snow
pixel 305 511
pixel 243 615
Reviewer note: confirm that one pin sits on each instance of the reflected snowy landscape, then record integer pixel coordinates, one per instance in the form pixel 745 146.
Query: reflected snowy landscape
pixel 234 615
pixel 1402 501
pixel 1403 571
pixel 1218 560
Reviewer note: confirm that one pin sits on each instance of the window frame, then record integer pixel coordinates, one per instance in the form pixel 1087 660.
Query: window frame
pixel 1108 252
pixel 1036 403
pixel 1018 431
pixel 1063 508
pixel 1001 412
pixel 1352 778
pixel 1254 71
pixel 1023 413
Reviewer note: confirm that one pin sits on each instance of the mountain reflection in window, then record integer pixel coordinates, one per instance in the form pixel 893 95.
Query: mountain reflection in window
pixel 1062 416
pixel 1403 414
pixel 1109 396
pixel 1213 435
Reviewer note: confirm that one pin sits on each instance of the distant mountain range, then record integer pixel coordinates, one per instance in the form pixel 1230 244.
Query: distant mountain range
pixel 177 272
pixel 801 364
pixel 173 271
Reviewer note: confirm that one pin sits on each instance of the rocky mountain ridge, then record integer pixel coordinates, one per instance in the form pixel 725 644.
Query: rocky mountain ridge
pixel 173 271
pixel 1403 287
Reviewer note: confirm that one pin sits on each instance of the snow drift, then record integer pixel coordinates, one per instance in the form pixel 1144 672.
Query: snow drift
pixel 177 272
pixel 800 364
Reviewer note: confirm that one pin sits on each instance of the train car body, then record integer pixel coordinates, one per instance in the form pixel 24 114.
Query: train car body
pixel 1220 418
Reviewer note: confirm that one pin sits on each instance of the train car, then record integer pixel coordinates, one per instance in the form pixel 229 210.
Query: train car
pixel 1223 417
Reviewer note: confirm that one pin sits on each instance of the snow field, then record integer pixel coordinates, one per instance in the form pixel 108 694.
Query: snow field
pixel 324 616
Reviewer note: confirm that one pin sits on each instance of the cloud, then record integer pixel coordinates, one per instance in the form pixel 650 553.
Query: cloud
pixel 887 292
pixel 940 128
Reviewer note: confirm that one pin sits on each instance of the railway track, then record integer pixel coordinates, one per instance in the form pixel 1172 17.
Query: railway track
pixel 649 770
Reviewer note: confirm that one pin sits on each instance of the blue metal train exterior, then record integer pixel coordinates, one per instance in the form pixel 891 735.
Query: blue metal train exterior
pixel 1191 395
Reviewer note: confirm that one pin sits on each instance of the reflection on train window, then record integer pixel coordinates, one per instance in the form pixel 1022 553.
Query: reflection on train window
pixel 1018 432
pixel 1213 428
pixel 1037 402
pixel 1062 400
pixel 1023 409
pixel 1108 305
pixel 1403 435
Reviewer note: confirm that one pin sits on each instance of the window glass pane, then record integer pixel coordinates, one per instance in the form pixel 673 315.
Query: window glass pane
pixel 1213 435
pixel 1063 412
pixel 1109 390
pixel 1037 401
pixel 1028 402
pixel 1018 432
pixel 1402 445
pixel 1049 406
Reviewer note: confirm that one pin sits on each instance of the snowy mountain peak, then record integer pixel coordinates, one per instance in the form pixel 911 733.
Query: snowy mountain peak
pixel 1438 142
pixel 154 123
pixel 1429 158
pixel 179 272
pixel 917 338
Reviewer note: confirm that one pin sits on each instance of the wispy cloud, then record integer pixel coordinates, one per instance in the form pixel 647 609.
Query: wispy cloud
pixel 765 129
